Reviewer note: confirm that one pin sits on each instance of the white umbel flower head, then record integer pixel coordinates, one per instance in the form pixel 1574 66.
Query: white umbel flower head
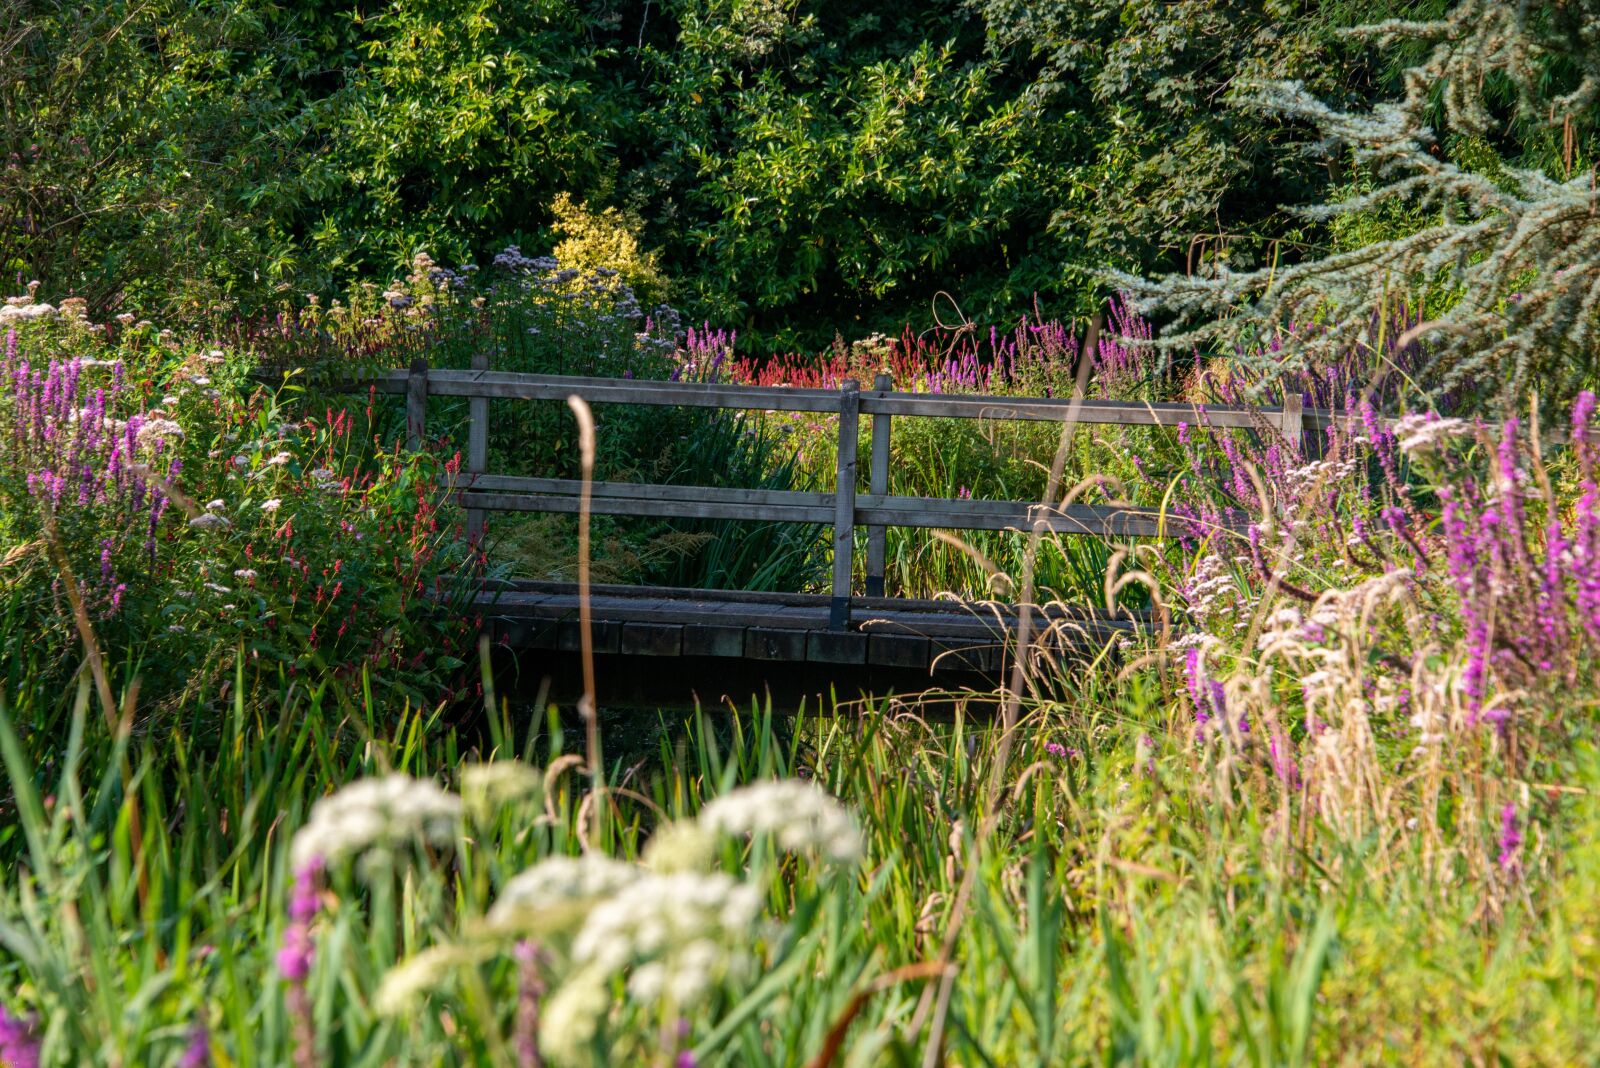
pixel 571 1018
pixel 485 787
pixel 559 881
pixel 384 812
pixel 156 431
pixel 1425 432
pixel 683 845
pixel 25 311
pixel 682 934
pixel 798 816
pixel 406 984
pixel 210 521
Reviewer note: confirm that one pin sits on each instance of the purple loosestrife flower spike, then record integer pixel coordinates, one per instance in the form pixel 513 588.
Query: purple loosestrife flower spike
pixel 1241 483
pixel 1191 672
pixel 197 1054
pixel 530 990
pixel 298 952
pixel 1586 558
pixel 1510 839
pixel 1510 490
pixel 1283 763
pixel 1582 412
pixel 295 959
pixel 1148 745
pixel 19 1044
pixel 1553 600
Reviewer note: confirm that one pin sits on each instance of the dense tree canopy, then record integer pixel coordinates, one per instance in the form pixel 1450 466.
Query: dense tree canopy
pixel 1489 155
pixel 800 166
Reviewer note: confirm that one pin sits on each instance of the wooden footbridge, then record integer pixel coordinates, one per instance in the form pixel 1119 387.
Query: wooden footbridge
pixel 843 626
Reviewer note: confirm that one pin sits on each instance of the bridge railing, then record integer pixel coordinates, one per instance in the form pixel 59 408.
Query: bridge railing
pixel 844 509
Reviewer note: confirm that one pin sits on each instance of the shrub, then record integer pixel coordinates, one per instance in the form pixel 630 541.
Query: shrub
pixel 192 514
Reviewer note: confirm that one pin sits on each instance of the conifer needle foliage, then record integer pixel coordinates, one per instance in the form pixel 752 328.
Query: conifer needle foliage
pixel 1508 260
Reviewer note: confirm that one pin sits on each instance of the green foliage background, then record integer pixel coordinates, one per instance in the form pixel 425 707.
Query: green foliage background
pixel 801 166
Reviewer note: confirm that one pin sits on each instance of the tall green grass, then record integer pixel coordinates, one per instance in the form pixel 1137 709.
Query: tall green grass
pixel 1119 910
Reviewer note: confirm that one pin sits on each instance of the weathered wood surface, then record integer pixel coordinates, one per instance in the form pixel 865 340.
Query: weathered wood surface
pixel 872 510
pixel 520 386
pixel 844 504
pixel 416 390
pixel 477 445
pixel 708 503
pixel 878 484
pixel 937 635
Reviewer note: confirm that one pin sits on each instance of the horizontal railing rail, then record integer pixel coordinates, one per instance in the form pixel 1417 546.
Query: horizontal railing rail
pixel 511 385
pixel 844 509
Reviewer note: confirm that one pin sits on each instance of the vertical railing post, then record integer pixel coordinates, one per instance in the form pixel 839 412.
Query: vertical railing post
pixel 878 483
pixel 844 504
pixel 1293 424
pixel 477 446
pixel 416 405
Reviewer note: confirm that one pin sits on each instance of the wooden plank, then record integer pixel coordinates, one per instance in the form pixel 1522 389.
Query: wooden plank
pixel 607 636
pixel 836 647
pixel 518 386
pixel 713 639
pixel 477 446
pixel 680 613
pixel 522 632
pixel 537 590
pixel 1101 520
pixel 770 643
pixel 651 639
pixel 447 383
pixel 965 656
pixel 1291 418
pixel 686 593
pixel 897 650
pixel 555 487
pixel 1113 520
pixel 645 506
pixel 416 405
pixel 1060 409
pixel 844 497
pixel 556 597
pixel 969 629
pixel 878 483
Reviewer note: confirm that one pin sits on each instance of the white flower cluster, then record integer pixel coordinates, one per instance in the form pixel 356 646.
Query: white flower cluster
pixel 1423 433
pixel 676 935
pixel 674 930
pixel 12 312
pixel 1212 588
pixel 512 259
pixel 562 880
pixel 679 933
pixel 1323 473
pixel 157 431
pixel 486 787
pixel 798 816
pixel 377 812
pixel 210 521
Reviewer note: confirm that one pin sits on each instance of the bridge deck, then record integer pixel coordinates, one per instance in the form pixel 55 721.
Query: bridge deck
pixel 888 632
